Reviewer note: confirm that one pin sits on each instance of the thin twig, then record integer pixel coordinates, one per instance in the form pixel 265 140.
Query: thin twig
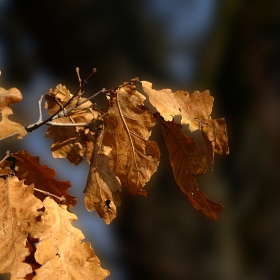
pixel 37 125
pixel 65 112
pixel 61 199
pixel 40 113
pixel 67 124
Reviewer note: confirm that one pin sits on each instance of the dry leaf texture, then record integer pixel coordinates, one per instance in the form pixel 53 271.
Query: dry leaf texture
pixel 8 127
pixel 188 160
pixel 61 252
pixel 195 110
pixel 18 215
pixel 70 142
pixel 102 188
pixel 30 169
pixel 134 159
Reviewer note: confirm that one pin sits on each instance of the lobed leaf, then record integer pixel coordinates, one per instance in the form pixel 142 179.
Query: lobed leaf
pixel 134 159
pixel 61 252
pixel 70 142
pixel 195 110
pixel 7 127
pixel 18 214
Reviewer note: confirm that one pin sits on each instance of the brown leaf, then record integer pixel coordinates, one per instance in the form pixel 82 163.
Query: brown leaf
pixel 215 138
pixel 19 210
pixel 70 142
pixel 195 110
pixel 61 253
pixel 102 188
pixel 134 159
pixel 29 168
pixel 8 127
pixel 188 160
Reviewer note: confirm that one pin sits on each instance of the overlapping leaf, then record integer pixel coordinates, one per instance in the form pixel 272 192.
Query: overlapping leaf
pixel 102 188
pixel 8 127
pixel 30 169
pixel 188 160
pixel 19 210
pixel 70 142
pixel 134 159
pixel 61 252
pixel 195 110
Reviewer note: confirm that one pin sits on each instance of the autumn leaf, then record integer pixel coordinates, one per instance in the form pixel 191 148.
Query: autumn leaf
pixel 134 159
pixel 188 160
pixel 19 210
pixel 30 169
pixel 195 110
pixel 8 127
pixel 61 252
pixel 71 142
pixel 102 188
pixel 215 138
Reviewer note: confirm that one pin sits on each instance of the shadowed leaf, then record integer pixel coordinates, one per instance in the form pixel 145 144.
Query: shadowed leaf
pixel 29 168
pixel 188 160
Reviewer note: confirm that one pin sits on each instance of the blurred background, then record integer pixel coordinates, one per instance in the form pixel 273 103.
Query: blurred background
pixel 231 48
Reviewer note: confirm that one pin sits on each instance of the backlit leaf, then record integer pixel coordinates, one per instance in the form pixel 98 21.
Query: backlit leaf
pixel 134 159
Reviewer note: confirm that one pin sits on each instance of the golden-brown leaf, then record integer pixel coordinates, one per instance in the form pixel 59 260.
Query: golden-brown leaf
pixel 102 188
pixel 8 127
pixel 61 252
pixel 195 110
pixel 188 160
pixel 70 142
pixel 134 159
pixel 19 210
pixel 29 168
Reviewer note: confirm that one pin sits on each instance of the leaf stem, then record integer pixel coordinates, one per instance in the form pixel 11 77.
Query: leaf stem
pixel 61 199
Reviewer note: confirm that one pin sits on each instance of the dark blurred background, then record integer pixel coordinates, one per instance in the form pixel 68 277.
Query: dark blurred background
pixel 231 48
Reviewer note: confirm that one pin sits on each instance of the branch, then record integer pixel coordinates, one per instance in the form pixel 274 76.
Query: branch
pixel 62 112
pixel 32 127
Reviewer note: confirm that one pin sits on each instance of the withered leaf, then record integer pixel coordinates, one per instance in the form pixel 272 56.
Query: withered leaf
pixel 19 210
pixel 61 252
pixel 134 159
pixel 70 142
pixel 195 110
pixel 30 169
pixel 8 127
pixel 102 188
pixel 188 160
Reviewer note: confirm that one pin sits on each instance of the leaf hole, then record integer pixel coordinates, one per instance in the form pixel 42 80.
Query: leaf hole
pixel 107 202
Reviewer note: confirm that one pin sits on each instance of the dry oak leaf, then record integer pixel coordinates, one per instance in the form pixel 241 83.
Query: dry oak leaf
pixel 195 110
pixel 61 252
pixel 30 169
pixel 19 210
pixel 134 159
pixel 188 160
pixel 7 127
pixel 103 187
pixel 70 142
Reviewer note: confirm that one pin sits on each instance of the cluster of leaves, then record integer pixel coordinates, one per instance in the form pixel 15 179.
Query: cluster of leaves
pixel 115 142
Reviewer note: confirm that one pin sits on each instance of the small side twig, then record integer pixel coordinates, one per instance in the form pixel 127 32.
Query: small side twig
pixel 30 128
pixel 61 199
pixel 67 124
